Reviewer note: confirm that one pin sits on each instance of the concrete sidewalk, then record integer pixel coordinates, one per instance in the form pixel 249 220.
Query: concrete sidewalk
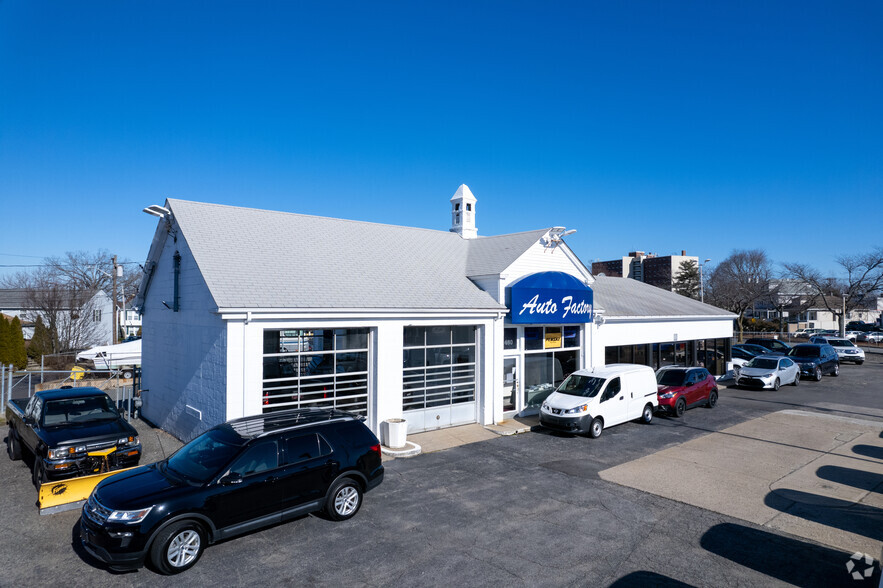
pixel 441 439
pixel 808 474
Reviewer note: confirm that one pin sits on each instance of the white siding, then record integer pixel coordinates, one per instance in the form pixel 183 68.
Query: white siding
pixel 385 379
pixel 541 259
pixel 491 285
pixel 184 354
pixel 616 332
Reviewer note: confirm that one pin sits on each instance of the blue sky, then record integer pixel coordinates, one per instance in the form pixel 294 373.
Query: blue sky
pixel 657 126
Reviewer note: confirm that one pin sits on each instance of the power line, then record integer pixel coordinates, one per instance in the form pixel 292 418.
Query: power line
pixel 63 266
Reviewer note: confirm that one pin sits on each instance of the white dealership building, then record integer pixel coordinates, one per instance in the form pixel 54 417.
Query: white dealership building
pixel 248 311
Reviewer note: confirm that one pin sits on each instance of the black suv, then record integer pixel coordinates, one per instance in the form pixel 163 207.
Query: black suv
pixel 774 345
pixel 234 478
pixel 815 359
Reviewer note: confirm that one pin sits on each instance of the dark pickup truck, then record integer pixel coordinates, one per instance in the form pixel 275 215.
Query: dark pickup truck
pixel 71 432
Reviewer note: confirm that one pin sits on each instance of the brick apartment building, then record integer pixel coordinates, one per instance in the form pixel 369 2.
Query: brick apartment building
pixel 659 271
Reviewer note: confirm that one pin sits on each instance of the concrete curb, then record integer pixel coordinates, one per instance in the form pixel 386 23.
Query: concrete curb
pixel 409 450
pixel 504 431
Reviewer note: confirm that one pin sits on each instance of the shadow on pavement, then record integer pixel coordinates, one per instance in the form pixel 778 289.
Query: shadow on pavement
pixel 839 514
pixel 643 579
pixel 851 477
pixel 789 560
pixel 869 450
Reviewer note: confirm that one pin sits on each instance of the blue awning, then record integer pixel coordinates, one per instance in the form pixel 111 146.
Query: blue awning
pixel 550 298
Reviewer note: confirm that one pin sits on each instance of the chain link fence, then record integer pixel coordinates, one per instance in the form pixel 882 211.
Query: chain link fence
pixel 126 391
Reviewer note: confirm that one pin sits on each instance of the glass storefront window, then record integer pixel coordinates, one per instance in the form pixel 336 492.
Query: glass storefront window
pixel 547 360
pixel 316 367
pixel 533 338
pixel 510 338
pixel 711 354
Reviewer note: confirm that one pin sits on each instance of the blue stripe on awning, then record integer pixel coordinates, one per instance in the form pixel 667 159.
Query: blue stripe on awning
pixel 550 298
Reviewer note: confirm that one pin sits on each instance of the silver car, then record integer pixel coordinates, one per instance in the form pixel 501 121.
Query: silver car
pixel 847 351
pixel 765 371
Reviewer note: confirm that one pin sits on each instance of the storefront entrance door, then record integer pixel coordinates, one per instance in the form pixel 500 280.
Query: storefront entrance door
pixel 510 384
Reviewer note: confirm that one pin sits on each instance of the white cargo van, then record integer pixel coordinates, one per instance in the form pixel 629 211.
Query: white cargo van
pixel 589 400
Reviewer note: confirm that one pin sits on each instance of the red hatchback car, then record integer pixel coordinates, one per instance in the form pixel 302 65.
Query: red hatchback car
pixel 680 388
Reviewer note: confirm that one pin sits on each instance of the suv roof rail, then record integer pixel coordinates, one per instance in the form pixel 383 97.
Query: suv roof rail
pixel 275 422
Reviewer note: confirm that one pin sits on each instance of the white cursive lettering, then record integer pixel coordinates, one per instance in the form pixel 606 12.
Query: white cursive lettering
pixel 571 307
pixel 547 307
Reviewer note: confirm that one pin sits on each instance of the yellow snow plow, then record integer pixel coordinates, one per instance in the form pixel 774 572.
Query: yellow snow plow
pixel 69 494
pixel 72 493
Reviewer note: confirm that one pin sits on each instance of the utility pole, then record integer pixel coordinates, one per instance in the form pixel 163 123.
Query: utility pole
pixel 114 300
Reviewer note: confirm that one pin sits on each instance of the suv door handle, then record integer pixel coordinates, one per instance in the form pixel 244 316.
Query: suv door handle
pixel 271 479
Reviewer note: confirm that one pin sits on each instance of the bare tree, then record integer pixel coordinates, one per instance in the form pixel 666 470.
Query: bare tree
pixel 82 270
pixel 67 313
pixel 739 281
pixel 861 284
pixel 63 290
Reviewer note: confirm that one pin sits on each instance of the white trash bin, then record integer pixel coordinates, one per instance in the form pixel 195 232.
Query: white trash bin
pixel 394 433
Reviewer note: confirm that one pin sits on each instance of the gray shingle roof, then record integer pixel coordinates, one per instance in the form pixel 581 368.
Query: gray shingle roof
pixel 492 255
pixel 624 297
pixel 253 258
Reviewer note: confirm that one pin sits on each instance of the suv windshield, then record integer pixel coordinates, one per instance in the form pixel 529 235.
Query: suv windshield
pixel 587 386
pixel 79 411
pixel 202 459
pixel 840 343
pixel 804 351
pixel 763 363
pixel 671 377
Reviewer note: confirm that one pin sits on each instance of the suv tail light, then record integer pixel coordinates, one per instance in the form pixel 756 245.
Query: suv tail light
pixel 376 449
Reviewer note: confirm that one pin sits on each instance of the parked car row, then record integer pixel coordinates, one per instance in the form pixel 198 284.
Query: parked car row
pixel 855 336
pixel 588 401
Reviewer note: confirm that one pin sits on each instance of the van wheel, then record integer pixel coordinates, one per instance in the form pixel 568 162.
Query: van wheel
pixel 647 415
pixel 13 449
pixel 818 375
pixel 712 399
pixel 680 407
pixel 836 371
pixel 596 428
pixel 178 548
pixel 344 500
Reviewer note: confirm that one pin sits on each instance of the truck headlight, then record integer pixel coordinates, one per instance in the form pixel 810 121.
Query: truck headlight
pixel 132 440
pixel 66 452
pixel 129 516
pixel 577 409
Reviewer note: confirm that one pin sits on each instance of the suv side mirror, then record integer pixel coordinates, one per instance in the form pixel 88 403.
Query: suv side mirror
pixel 231 479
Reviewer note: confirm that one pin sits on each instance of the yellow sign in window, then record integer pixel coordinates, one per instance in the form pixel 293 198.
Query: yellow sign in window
pixel 553 339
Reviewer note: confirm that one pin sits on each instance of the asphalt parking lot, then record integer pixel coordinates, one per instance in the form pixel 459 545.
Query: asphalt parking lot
pixel 530 509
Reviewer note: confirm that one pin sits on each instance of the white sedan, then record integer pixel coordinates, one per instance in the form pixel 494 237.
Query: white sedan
pixel 847 351
pixel 767 371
